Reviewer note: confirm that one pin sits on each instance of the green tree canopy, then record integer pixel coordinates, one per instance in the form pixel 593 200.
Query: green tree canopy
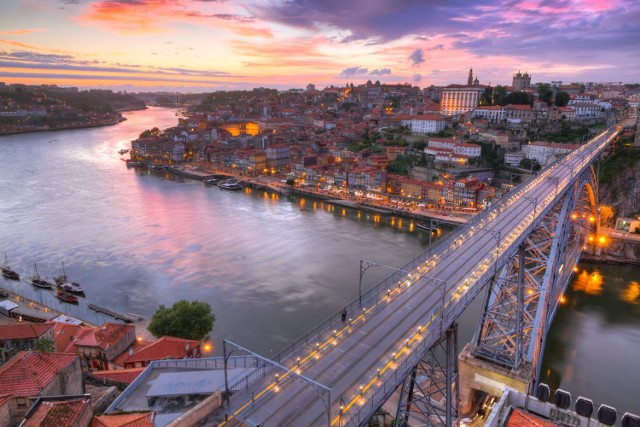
pixel 487 96
pixel 44 345
pixel 545 93
pixel 562 98
pixel 519 97
pixel 190 320
pixel 500 95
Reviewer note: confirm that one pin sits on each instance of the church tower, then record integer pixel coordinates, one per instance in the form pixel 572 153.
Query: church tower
pixel 470 79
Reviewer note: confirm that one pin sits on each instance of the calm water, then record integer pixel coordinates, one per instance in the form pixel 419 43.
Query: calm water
pixel 270 267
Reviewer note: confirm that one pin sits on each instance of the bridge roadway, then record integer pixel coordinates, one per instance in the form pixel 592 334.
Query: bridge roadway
pixel 365 358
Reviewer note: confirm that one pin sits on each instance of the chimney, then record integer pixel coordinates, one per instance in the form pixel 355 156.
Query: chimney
pixel 131 351
pixel 186 347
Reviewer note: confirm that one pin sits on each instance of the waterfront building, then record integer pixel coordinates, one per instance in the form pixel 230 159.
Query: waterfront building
pixel 102 345
pixel 277 157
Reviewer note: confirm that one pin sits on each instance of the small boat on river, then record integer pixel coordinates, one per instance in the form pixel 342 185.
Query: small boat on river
pixel 7 271
pixel 230 185
pixel 425 227
pixel 39 281
pixel 66 297
pixel 210 180
pixel 65 285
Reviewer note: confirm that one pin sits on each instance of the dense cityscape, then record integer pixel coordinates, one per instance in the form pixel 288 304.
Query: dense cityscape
pixel 314 213
pixel 444 153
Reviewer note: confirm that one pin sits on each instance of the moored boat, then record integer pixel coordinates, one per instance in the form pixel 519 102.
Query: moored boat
pixel 210 180
pixel 39 281
pixel 425 227
pixel 7 271
pixel 230 185
pixel 66 297
pixel 66 286
pixel 71 287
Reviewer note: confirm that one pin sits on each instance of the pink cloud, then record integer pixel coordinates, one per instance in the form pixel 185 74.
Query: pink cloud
pixel 160 16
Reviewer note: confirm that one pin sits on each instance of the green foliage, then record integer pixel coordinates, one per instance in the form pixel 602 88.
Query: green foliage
pixel 531 164
pixel 190 320
pixel 545 93
pixel 568 135
pixel 44 345
pixel 401 164
pixel 624 156
pixel 562 98
pixel 487 96
pixel 419 145
pixel 500 95
pixel 519 97
pixel 150 132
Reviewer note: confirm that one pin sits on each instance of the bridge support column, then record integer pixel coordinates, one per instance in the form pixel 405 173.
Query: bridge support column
pixel 429 395
pixel 480 375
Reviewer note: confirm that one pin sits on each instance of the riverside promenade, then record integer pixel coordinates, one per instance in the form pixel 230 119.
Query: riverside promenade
pixel 201 170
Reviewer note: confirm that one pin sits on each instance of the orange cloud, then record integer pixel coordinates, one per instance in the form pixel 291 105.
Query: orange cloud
pixel 23 31
pixel 28 46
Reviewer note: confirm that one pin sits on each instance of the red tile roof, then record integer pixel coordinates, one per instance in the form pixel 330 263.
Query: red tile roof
pixel 164 348
pixel 105 336
pixel 66 336
pixel 61 413
pixel 123 420
pixel 520 418
pixel 29 372
pixel 119 375
pixel 23 331
pixel 4 399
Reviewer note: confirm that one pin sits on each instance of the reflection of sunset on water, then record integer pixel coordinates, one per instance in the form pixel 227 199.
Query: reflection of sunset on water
pixel 589 283
pixel 632 293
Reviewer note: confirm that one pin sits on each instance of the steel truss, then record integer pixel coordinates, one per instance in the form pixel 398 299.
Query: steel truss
pixel 429 395
pixel 527 288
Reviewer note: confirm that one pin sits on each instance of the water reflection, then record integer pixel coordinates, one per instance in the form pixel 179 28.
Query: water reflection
pixel 591 348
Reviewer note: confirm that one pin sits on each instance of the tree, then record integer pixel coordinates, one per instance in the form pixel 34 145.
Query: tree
pixel 500 95
pixel 487 96
pixel 190 320
pixel 44 345
pixel 562 98
pixel 545 93
pixel 519 97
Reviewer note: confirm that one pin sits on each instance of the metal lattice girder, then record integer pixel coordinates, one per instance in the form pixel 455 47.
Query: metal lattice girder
pixel 525 292
pixel 429 394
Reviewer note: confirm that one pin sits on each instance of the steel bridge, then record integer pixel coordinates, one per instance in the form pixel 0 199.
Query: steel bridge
pixel 522 250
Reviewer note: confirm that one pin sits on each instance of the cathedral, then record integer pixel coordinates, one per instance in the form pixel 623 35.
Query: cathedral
pixel 521 81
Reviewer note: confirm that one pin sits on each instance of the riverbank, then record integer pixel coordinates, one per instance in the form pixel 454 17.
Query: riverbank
pixel 274 184
pixel 69 127
pixel 621 248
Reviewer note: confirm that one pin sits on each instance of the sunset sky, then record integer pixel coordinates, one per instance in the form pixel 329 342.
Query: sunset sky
pixel 204 45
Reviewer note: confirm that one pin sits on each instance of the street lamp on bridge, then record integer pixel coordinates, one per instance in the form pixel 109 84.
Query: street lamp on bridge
pixel 533 200
pixel 365 265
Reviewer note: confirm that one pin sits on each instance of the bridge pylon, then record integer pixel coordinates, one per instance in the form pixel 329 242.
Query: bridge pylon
pixel 523 296
pixel 430 393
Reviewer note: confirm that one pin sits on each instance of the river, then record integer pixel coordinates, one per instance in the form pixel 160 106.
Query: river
pixel 270 267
